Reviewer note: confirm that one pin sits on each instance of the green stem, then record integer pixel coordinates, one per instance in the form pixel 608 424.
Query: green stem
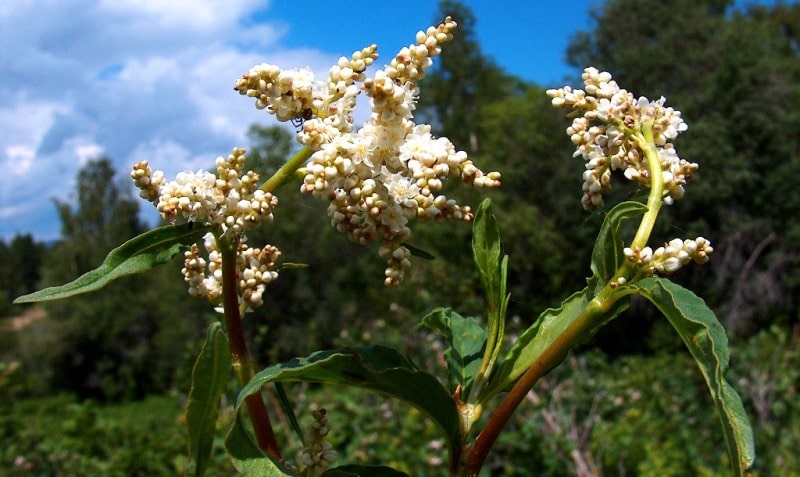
pixel 553 354
pixel 654 200
pixel 285 173
pixel 262 427
pixel 493 344
pixel 583 323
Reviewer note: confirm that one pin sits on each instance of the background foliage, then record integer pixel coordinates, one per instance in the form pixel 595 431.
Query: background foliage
pixel 735 75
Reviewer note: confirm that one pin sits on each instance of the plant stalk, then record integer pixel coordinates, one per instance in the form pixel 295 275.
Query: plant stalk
pixel 262 427
pixel 563 343
pixel 560 347
pixel 654 200
pixel 286 171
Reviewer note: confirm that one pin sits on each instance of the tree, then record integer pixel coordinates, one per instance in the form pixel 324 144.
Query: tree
pixel 119 343
pixel 462 80
pixel 20 269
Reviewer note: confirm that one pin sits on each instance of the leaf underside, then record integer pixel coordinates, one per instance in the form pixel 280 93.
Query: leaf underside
pixel 707 342
pixel 139 254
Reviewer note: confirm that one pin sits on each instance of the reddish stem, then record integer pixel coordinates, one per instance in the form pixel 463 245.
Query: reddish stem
pixel 262 426
pixel 549 357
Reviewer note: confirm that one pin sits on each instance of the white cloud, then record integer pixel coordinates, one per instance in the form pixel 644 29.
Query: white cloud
pixel 131 79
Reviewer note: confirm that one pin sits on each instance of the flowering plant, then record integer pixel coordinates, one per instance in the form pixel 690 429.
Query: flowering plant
pixel 377 180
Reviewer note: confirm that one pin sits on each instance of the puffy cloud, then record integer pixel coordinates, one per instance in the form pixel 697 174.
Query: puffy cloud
pixel 130 79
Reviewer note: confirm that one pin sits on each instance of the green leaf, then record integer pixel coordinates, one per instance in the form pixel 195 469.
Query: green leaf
pixel 137 255
pixel 377 368
pixel 487 251
pixel 607 253
pixel 247 457
pixel 705 337
pixel 493 270
pixel 356 470
pixel 466 339
pixel 418 252
pixel 210 377
pixel 549 327
pixel 639 194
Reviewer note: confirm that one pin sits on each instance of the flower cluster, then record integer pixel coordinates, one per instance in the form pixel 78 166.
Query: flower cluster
pixel 613 131
pixel 295 94
pixel 256 268
pixel 389 172
pixel 317 453
pixel 230 203
pixel 229 200
pixel 671 257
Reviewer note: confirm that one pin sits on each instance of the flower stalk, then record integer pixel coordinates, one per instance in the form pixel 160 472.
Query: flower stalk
pixel 645 142
pixel 286 171
pixel 240 357
pixel 589 318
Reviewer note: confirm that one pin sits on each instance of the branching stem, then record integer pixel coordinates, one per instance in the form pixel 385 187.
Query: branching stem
pixel 582 324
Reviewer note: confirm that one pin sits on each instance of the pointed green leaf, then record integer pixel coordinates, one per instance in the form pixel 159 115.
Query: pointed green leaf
pixel 209 379
pixel 247 457
pixel 639 194
pixel 137 255
pixel 549 327
pixel 492 267
pixel 418 252
pixel 377 368
pixel 466 339
pixel 607 254
pixel 356 470
pixel 705 337
pixel 486 250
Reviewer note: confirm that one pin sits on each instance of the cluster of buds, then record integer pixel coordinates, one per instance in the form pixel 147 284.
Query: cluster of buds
pixel 230 202
pixel 295 95
pixel 391 170
pixel 317 454
pixel 256 268
pixel 610 135
pixel 671 257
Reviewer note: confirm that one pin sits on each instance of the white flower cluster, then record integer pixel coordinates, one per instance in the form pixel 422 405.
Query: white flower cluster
pixel 317 453
pixel 391 170
pixel 255 269
pixel 295 94
pixel 230 200
pixel 231 203
pixel 608 136
pixel 671 257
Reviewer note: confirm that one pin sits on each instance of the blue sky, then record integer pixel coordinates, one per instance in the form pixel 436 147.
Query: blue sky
pixel 152 79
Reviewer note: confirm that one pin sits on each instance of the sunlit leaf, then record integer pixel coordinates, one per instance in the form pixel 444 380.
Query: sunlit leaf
pixel 705 337
pixel 607 253
pixel 486 250
pixel 466 340
pixel 539 338
pixel 493 270
pixel 137 255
